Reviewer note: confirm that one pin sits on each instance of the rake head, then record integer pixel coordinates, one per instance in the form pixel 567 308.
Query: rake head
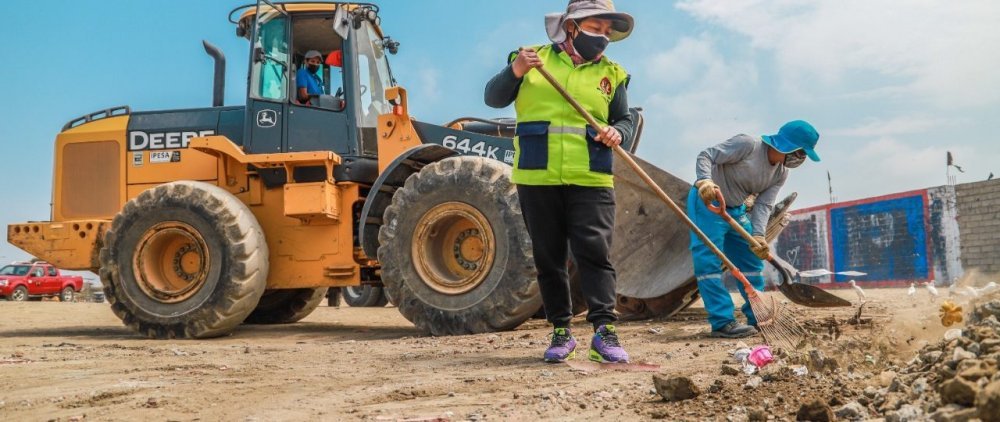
pixel 779 327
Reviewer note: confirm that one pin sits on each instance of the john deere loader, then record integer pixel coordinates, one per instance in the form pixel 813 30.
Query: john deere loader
pixel 201 219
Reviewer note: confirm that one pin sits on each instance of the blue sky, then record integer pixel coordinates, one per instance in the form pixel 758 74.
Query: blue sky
pixel 890 85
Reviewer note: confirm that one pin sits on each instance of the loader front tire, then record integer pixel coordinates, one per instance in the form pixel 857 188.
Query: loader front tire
pixel 286 306
pixel 455 254
pixel 184 260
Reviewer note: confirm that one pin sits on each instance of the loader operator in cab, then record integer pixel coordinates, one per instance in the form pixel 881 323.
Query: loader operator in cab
pixel 562 167
pixel 740 167
pixel 307 79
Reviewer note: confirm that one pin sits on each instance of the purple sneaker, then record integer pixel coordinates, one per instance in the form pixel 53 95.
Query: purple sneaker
pixel 605 348
pixel 563 346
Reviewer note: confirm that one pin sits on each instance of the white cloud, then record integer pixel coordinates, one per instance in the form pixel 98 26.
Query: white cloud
pixel 700 94
pixel 901 125
pixel 941 53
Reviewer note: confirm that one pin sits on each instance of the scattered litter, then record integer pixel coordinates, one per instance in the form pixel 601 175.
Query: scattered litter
pixel 952 334
pixel 950 313
pixel 800 371
pixel 760 356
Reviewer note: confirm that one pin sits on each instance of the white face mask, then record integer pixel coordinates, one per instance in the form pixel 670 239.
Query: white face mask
pixel 795 159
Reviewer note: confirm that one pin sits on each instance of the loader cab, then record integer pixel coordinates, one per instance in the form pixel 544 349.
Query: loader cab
pixel 354 75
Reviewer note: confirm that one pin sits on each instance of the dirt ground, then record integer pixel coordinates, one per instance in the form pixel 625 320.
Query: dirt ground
pixel 75 361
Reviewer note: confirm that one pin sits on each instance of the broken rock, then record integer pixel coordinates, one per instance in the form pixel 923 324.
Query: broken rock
pixel 675 388
pixel 852 411
pixel 730 370
pixel 953 413
pixel 906 413
pixel 958 391
pixel 816 411
pixel 988 402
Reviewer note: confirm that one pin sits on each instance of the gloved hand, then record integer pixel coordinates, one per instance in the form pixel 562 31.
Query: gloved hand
pixel 706 190
pixel 762 252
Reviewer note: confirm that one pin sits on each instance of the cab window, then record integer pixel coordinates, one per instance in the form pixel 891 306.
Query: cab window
pixel 323 86
pixel 270 57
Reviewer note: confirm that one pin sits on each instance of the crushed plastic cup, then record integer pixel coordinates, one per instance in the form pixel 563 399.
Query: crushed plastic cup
pixel 741 355
pixel 952 334
pixel 760 356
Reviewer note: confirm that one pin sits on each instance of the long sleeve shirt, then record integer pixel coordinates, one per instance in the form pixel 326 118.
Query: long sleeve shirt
pixel 741 168
pixel 502 89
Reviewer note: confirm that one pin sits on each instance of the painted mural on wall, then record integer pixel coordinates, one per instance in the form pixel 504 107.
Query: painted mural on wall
pixel 886 239
pixel 895 239
pixel 804 242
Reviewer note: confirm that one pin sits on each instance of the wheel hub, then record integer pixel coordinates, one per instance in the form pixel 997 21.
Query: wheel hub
pixel 172 262
pixel 453 248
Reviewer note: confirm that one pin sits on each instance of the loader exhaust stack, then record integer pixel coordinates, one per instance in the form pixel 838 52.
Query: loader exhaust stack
pixel 219 80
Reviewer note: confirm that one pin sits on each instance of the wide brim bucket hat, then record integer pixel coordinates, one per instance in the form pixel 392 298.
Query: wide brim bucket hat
pixel 621 23
pixel 793 136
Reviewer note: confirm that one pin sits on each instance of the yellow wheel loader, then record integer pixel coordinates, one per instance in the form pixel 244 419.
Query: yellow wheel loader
pixel 199 220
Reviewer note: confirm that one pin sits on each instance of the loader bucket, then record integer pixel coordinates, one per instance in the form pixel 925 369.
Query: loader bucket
pixel 650 251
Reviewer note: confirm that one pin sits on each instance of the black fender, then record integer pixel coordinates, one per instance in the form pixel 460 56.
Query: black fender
pixel 393 178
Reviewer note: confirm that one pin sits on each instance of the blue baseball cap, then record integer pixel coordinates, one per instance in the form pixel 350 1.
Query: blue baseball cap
pixel 793 136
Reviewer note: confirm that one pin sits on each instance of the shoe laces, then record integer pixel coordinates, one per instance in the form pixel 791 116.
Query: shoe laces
pixel 610 338
pixel 560 339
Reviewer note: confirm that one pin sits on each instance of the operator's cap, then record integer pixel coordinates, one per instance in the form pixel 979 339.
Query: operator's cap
pixel 793 136
pixel 313 53
pixel 621 23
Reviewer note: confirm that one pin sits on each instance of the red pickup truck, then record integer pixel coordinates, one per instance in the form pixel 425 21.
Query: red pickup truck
pixel 19 282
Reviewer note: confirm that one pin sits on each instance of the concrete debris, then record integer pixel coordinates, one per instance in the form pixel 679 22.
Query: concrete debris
pixel 675 388
pixel 988 402
pixel 816 411
pixel 852 411
pixel 730 370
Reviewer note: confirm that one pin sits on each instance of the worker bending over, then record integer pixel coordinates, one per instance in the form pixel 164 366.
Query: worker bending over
pixel 740 167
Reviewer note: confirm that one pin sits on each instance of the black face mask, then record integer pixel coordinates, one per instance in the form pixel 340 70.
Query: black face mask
pixel 588 45
pixel 795 159
pixel 313 67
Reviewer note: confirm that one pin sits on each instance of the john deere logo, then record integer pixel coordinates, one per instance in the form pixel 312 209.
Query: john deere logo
pixel 267 118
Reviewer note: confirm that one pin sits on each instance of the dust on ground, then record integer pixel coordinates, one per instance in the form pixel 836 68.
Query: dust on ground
pixel 75 361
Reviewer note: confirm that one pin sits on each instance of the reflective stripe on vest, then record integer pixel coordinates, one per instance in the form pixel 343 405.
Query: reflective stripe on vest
pixel 553 144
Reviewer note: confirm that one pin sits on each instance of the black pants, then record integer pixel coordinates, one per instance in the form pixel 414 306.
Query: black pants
pixel 561 218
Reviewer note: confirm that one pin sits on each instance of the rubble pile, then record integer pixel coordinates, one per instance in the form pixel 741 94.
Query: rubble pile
pixel 954 379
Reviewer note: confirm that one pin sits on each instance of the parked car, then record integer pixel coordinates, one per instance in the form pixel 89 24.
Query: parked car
pixel 35 280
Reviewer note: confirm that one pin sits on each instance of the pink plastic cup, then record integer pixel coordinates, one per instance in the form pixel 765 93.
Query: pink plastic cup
pixel 760 356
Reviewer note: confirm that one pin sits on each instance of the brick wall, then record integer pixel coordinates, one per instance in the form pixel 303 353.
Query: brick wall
pixel 979 225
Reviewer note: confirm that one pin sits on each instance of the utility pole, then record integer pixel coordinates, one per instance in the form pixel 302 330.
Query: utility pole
pixel 829 184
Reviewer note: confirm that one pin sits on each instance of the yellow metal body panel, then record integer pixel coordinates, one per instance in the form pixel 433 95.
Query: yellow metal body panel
pixel 89 183
pixel 396 132
pixel 307 201
pixel 193 165
pixel 70 245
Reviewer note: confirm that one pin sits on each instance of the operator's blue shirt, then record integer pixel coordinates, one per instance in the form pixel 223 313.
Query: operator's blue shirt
pixel 310 81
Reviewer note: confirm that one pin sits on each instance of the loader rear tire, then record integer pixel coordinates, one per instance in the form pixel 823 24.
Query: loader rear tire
pixel 455 254
pixel 184 260
pixel 286 306
pixel 364 296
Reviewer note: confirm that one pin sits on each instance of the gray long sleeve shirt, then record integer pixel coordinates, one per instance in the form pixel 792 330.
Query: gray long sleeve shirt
pixel 741 168
pixel 502 90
